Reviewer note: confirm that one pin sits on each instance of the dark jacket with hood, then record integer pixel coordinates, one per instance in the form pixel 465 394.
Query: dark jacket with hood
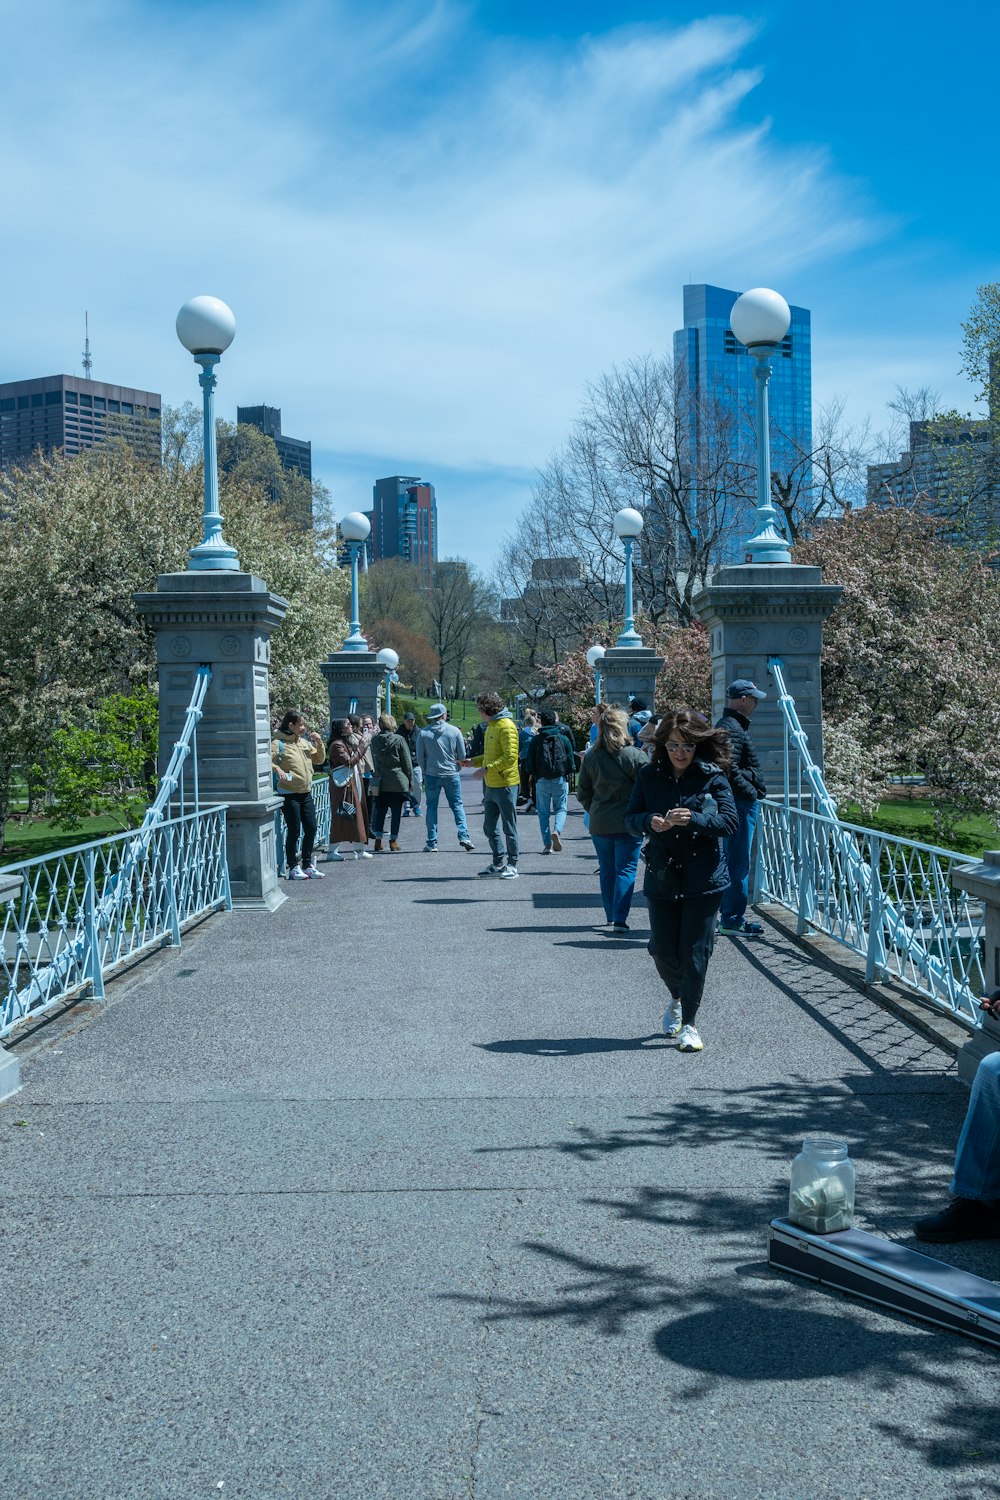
pixel 539 747
pixel 689 861
pixel 745 775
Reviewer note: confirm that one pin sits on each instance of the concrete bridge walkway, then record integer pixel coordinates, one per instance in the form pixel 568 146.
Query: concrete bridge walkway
pixel 401 1193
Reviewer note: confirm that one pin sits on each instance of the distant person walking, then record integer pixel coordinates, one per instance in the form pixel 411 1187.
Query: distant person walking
pixel 498 763
pixel 682 804
pixel 551 762
pixel 408 729
pixel 527 732
pixel 440 754
pixel 393 776
pixel 607 778
pixel 295 752
pixel 747 782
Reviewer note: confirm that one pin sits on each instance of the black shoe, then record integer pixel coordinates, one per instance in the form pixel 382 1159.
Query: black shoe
pixel 963 1219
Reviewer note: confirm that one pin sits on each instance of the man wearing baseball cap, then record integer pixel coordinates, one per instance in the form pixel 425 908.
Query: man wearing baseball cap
pixel 747 782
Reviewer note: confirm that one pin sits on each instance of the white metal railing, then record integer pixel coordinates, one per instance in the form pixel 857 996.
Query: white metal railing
pixel 71 917
pixel 889 899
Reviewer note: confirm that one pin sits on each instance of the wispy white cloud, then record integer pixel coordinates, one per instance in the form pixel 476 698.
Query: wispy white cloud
pixel 430 244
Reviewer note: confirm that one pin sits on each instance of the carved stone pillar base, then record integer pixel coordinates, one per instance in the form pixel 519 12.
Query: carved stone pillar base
pixel 353 679
pixel 754 611
pixel 226 621
pixel 629 672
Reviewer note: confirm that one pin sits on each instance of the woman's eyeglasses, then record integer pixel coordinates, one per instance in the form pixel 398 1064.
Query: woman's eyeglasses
pixel 675 745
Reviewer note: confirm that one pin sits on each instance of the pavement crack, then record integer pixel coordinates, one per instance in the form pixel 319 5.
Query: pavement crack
pixel 481 1409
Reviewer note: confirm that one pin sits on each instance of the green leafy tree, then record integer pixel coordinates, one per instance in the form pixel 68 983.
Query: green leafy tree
pixel 107 765
pixel 80 537
pixel 908 662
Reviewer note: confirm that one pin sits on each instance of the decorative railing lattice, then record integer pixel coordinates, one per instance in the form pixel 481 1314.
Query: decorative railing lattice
pixel 889 899
pixel 72 917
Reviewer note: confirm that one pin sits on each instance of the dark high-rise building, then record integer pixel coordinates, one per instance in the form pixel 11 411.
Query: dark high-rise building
pixel 295 453
pixel 404 523
pixel 716 374
pixel 69 412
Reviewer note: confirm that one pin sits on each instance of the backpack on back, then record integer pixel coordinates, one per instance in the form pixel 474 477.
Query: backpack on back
pixel 553 756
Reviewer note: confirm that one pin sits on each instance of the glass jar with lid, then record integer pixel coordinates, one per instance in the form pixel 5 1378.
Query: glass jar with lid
pixel 821 1190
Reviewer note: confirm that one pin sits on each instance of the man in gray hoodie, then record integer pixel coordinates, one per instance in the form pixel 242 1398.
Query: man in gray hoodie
pixel 440 750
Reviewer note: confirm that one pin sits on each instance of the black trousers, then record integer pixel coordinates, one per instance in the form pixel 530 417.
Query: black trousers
pixel 391 803
pixel 681 939
pixel 300 819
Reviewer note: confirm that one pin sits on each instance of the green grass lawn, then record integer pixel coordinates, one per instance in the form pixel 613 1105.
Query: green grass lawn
pixel 25 838
pixel 461 711
pixel 913 818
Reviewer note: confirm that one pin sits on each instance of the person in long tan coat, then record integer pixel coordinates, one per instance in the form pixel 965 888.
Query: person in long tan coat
pixel 347 828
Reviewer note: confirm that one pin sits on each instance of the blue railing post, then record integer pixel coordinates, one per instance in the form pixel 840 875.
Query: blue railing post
pixel 92 949
pixel 173 917
pixel 875 952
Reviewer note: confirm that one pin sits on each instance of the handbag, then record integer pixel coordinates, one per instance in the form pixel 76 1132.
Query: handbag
pixel 341 775
pixel 347 810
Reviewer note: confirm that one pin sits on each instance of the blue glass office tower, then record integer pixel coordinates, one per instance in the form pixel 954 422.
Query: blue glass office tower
pixel 715 369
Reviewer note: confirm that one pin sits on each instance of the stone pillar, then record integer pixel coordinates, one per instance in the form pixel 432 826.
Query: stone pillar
pixel 629 672
pixel 354 681
pixel 10 1067
pixel 225 620
pixel 754 611
pixel 983 882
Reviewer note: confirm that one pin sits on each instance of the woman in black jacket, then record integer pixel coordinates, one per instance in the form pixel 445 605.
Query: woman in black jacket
pixel 683 804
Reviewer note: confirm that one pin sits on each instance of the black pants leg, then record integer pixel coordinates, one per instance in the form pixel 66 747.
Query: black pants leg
pixel 308 828
pixel 681 939
pixel 395 813
pixel 293 824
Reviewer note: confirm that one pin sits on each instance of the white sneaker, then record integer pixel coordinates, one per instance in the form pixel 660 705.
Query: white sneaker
pixel 688 1040
pixel 672 1022
pixel 468 846
pixel 297 873
pixel 311 873
pixel 556 842
pixel 509 873
pixel 430 848
pixel 493 870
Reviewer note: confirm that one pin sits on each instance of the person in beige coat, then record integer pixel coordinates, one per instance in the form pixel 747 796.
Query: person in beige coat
pixel 295 752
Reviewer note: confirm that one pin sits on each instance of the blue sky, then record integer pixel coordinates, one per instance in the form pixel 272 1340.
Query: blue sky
pixel 436 221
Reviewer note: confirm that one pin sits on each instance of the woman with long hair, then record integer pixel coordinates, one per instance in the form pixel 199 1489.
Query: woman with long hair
pixel 346 753
pixel 607 777
pixel 682 804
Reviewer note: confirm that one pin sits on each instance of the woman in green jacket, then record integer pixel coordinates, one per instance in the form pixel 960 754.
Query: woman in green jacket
pixel 394 776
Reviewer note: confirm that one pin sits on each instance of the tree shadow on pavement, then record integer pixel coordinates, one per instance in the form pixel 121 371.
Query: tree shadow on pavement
pixel 889 1131
pixel 764 1327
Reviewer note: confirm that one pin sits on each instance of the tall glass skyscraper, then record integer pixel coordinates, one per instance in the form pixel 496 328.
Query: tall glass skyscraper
pixel 716 372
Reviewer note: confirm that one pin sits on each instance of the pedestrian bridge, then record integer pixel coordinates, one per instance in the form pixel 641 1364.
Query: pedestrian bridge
pixel 400 1192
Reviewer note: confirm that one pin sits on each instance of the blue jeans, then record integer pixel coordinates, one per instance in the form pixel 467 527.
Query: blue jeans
pixel 500 805
pixel 452 788
pixel 738 848
pixel 618 858
pixel 977 1160
pixel 551 793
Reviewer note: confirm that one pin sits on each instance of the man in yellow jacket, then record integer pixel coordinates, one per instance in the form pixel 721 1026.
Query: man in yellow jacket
pixel 501 777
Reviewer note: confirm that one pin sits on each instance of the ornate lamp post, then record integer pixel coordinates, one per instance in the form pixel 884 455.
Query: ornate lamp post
pixel 628 525
pixel 206 327
pixel 594 658
pixel 760 320
pixel 389 661
pixel 354 528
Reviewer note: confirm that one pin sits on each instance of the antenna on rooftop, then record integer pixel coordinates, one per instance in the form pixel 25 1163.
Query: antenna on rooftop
pixel 88 363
